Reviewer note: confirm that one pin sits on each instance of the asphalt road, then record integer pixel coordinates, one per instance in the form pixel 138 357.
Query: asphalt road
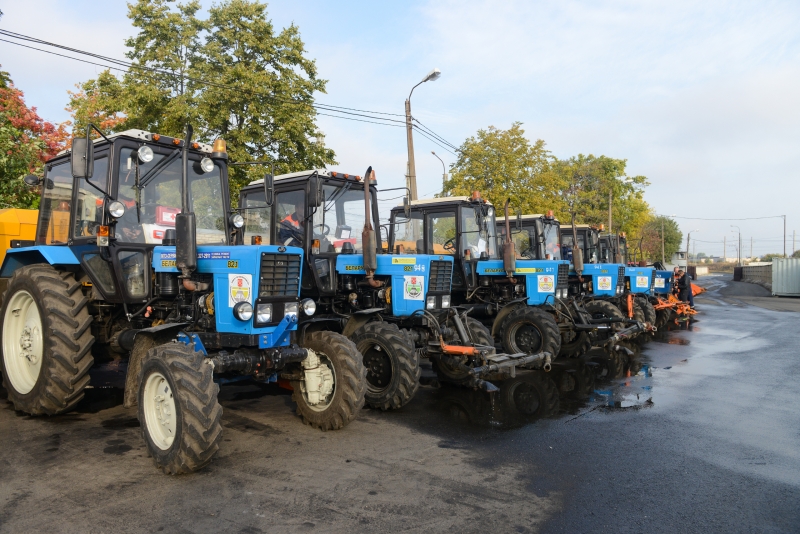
pixel 705 438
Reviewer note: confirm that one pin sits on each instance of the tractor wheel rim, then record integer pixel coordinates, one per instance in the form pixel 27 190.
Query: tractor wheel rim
pixel 379 368
pixel 527 338
pixel 23 344
pixel 160 413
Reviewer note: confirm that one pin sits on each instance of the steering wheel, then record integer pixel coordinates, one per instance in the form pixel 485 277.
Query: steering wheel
pixel 527 253
pixel 450 244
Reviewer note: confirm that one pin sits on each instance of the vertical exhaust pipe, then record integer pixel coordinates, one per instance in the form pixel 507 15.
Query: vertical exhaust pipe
pixel 577 252
pixel 185 222
pixel 368 241
pixel 509 252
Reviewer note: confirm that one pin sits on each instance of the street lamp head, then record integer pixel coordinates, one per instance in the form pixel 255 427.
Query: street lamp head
pixel 432 76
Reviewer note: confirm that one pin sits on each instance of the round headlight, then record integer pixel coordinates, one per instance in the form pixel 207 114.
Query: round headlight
pixel 237 220
pixel 243 311
pixel 206 164
pixel 116 209
pixel 145 154
pixel 309 306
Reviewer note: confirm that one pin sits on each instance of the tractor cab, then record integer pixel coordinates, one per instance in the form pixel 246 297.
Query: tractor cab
pixel 538 237
pixel 613 248
pixel 594 277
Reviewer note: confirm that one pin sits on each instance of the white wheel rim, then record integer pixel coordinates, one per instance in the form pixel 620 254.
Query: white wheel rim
pixel 159 410
pixel 324 405
pixel 23 345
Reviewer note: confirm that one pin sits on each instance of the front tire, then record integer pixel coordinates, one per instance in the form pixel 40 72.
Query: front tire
pixel 392 365
pixel 341 357
pixel 46 340
pixel 602 309
pixel 530 330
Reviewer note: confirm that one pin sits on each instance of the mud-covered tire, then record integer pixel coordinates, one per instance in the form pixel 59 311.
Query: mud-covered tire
pixel 479 335
pixel 611 365
pixel 606 310
pixel 392 365
pixel 530 330
pixel 649 311
pixel 662 318
pixel 55 324
pixel 478 332
pixel 532 395
pixel 178 410
pixel 350 382
pixel 575 344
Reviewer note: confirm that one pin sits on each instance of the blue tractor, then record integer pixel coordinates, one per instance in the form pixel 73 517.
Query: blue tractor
pixel 513 298
pixel 395 305
pixel 135 258
pixel 639 279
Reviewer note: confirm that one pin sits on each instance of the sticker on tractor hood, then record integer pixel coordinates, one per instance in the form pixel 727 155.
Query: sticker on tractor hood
pixel 404 261
pixel 413 287
pixel 547 283
pixel 530 270
pixel 604 283
pixel 200 255
pixel 642 281
pixel 239 288
pixel 660 282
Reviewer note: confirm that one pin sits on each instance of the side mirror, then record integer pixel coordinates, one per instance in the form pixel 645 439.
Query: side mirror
pixel 82 158
pixel 315 191
pixel 269 189
pixel 32 180
pixel 406 208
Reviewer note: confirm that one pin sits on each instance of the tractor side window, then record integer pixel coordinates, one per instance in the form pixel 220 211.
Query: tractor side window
pixel 552 249
pixel 478 234
pixel 291 206
pixel 257 218
pixel 521 239
pixel 408 233
pixel 339 221
pixel 441 229
pixel 55 207
pixel 89 212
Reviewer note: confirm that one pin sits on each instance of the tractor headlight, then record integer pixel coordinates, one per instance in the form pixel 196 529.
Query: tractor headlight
pixel 309 306
pixel 518 288
pixel 445 301
pixel 237 220
pixel 206 164
pixel 116 209
pixel 145 154
pixel 430 303
pixel 243 311
pixel 263 313
pixel 290 308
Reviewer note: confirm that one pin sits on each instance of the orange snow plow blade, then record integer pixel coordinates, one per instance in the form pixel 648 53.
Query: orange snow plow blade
pixel 696 290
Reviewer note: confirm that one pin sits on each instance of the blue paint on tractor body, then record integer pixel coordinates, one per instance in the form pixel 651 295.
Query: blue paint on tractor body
pixel 640 278
pixel 410 277
pixel 52 254
pixel 604 278
pixel 663 283
pixel 541 277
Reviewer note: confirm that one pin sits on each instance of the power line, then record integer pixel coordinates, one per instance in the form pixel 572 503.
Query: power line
pixel 742 219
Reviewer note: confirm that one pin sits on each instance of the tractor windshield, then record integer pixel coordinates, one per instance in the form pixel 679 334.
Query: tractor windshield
pixel 159 200
pixel 257 217
pixel 478 232
pixel 339 221
pixel 552 247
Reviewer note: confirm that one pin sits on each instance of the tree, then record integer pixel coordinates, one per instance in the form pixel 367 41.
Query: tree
pixel 651 238
pixel 26 143
pixel 772 256
pixel 503 164
pixel 231 75
pixel 796 254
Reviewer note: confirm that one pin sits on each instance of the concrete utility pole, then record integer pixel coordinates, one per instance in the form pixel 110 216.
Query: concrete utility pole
pixel 724 249
pixel 784 236
pixel 793 234
pixel 412 168
pixel 663 260
pixel 739 251
pixel 688 239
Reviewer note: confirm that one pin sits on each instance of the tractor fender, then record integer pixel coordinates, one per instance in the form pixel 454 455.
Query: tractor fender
pixel 504 312
pixel 51 254
pixel 143 341
pixel 359 319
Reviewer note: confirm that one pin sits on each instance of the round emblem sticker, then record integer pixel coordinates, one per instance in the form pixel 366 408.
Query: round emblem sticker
pixel 413 287
pixel 240 288
pixel 546 283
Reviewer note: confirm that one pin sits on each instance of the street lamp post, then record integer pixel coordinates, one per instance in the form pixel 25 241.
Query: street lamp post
pixel 444 171
pixel 412 171
pixel 688 239
pixel 739 251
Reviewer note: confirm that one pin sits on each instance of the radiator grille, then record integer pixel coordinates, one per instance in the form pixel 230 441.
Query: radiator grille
pixel 563 276
pixel 621 277
pixel 280 275
pixel 441 275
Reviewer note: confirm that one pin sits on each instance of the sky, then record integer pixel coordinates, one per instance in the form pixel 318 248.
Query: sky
pixel 702 98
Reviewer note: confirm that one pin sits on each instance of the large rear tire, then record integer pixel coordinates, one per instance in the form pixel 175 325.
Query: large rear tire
pixel 649 311
pixel 392 365
pixel 341 357
pixel 46 340
pixel 602 309
pixel 530 330
pixel 532 395
pixel 575 344
pixel 178 409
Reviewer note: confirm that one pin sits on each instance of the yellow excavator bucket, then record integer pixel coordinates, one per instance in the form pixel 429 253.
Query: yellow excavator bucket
pixel 16 224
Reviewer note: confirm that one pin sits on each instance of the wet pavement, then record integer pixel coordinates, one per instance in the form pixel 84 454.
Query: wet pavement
pixel 704 436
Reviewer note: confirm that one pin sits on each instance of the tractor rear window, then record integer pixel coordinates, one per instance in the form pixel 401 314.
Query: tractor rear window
pixel 56 203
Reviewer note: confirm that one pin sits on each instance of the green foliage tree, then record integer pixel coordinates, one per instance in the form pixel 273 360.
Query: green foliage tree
pixel 772 256
pixel 232 75
pixel 650 238
pixel 505 164
pixel 796 254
